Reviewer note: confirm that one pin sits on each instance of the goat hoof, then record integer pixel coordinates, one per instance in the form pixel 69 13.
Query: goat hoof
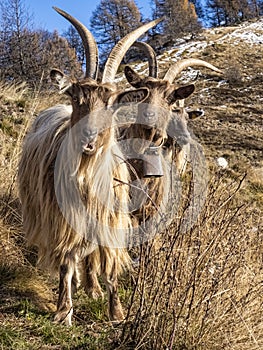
pixel 95 293
pixel 63 317
pixel 117 315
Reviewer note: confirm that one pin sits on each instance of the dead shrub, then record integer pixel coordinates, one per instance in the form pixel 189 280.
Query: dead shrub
pixel 234 75
pixel 200 289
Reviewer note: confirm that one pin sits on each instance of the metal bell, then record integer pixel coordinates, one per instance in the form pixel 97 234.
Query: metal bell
pixel 152 164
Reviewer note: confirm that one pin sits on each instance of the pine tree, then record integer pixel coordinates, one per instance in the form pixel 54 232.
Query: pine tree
pixel 259 7
pixel 159 8
pixel 181 17
pixel 112 20
pixel 75 42
pixel 198 8
pixel 228 12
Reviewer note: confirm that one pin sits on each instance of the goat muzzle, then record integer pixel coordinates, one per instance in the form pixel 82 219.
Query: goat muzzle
pixel 149 118
pixel 88 141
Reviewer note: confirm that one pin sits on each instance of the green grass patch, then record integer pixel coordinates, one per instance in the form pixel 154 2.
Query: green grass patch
pixel 32 329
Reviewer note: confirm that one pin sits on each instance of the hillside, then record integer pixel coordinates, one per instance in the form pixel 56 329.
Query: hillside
pixel 210 295
pixel 232 104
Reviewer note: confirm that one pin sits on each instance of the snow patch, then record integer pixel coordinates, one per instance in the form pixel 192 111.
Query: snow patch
pixel 222 162
pixel 248 32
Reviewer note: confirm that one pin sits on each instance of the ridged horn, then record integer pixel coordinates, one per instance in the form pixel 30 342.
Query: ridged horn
pixel 89 43
pixel 119 50
pixel 151 57
pixel 179 66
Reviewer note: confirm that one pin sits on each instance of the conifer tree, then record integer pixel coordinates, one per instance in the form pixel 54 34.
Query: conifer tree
pixel 112 20
pixel 181 17
pixel 228 12
pixel 75 42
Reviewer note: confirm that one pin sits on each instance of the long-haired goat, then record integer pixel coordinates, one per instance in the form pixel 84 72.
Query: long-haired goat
pixel 74 209
pixel 163 126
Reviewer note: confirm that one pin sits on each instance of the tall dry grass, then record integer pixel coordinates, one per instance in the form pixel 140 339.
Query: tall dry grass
pixel 18 107
pixel 18 274
pixel 12 100
pixel 201 289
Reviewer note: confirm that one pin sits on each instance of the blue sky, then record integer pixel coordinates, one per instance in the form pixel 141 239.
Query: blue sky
pixel 45 17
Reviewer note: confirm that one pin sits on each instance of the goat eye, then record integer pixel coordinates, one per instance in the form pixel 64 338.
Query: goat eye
pixel 75 99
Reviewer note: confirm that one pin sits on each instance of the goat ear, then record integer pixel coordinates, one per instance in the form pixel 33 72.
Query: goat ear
pixel 61 80
pixel 133 78
pixel 138 95
pixel 180 93
pixel 195 114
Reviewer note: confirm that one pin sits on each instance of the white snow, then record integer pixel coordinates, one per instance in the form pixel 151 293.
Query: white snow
pixel 253 38
pixel 247 32
pixel 222 162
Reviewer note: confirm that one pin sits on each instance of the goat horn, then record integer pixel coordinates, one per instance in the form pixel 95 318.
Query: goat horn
pixel 119 50
pixel 151 56
pixel 89 43
pixel 179 66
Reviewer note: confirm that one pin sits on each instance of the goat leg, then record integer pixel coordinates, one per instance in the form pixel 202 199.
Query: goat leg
pixel 66 284
pixel 91 283
pixel 111 282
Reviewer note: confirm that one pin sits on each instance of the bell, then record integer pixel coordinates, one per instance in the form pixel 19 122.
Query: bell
pixel 152 164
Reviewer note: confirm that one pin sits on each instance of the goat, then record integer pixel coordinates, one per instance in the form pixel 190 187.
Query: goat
pixel 154 112
pixel 163 126
pixel 74 209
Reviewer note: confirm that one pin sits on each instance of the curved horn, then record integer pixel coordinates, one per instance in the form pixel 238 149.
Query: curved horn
pixel 119 50
pixel 179 66
pixel 89 43
pixel 151 57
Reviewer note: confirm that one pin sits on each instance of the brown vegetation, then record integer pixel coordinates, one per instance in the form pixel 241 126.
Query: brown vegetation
pixel 202 289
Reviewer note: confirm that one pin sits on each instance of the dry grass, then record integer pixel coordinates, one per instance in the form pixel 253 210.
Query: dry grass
pixel 201 289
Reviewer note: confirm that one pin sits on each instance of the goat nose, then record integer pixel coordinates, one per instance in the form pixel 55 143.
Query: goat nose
pixel 149 114
pixel 89 133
